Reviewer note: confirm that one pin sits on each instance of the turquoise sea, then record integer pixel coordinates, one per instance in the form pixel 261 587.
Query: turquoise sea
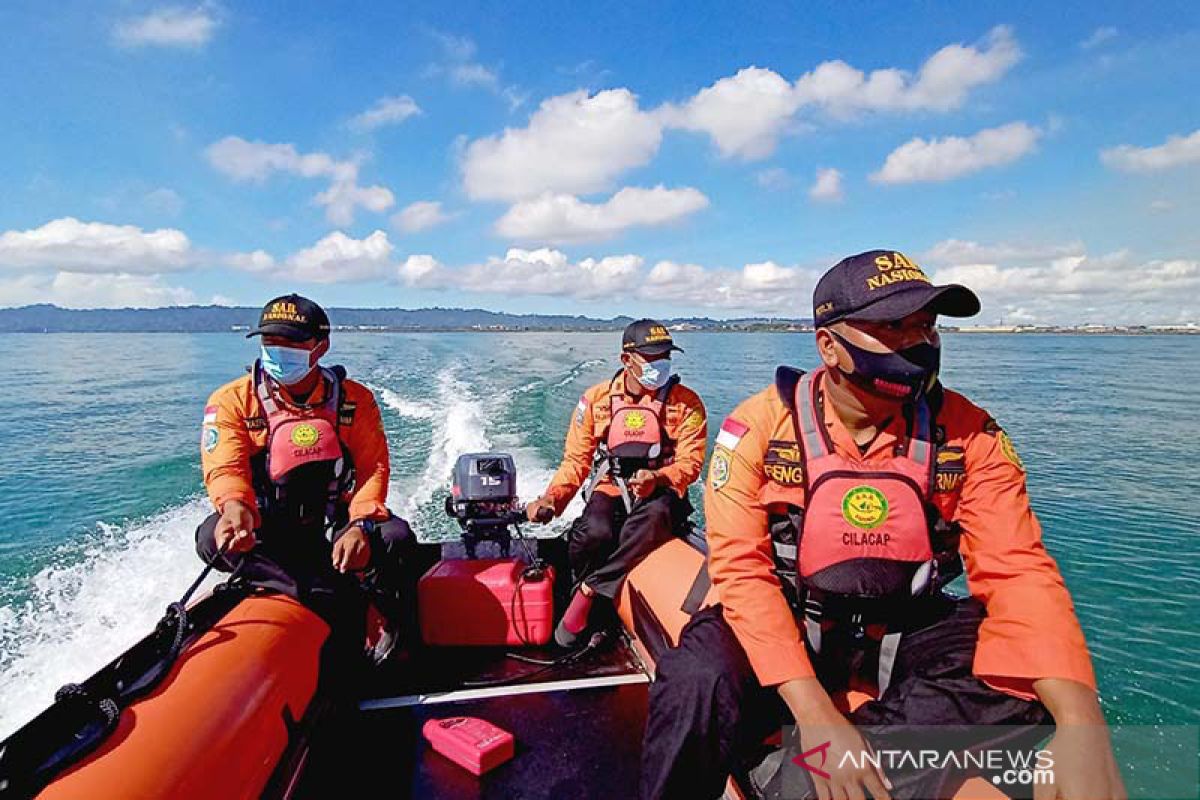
pixel 100 485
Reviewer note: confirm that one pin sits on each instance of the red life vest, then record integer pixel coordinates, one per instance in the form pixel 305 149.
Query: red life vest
pixel 866 526
pixel 305 468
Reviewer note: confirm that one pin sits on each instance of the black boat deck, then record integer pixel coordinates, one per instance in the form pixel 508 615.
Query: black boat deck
pixel 577 727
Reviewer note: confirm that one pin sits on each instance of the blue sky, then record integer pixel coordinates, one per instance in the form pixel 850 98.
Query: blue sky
pixel 600 158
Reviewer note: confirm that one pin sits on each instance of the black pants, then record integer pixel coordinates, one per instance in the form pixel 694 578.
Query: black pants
pixel 708 711
pixel 606 542
pixel 298 563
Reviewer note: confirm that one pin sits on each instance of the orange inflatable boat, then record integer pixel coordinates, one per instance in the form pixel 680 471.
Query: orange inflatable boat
pixel 234 705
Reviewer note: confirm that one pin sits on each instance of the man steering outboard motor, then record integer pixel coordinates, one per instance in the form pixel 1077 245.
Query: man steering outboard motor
pixel 642 436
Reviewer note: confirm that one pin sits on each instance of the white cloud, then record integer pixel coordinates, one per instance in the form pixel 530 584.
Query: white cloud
pixel 954 252
pixel 423 272
pixel 1064 284
pixel 1162 206
pixel 563 218
pixel 550 272
pixel 757 288
pixel 828 186
pixel 1175 152
pixel 386 111
pixel 337 258
pixel 243 160
pixel 258 261
pixel 776 179
pixel 164 201
pixel 419 216
pixel 744 114
pixel 168 27
pixel 95 247
pixel 942 83
pixel 463 72
pixel 955 156
pixel 1099 37
pixel 92 290
pixel 574 144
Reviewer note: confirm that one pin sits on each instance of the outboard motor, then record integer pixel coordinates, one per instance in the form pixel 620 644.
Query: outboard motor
pixel 483 499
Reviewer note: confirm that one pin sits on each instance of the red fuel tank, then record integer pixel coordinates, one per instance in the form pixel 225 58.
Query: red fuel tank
pixel 490 601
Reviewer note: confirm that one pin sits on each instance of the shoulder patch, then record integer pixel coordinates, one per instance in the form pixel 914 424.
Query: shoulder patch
pixel 784 463
pixel 718 470
pixel 210 415
pixel 991 427
pixel 210 438
pixel 580 410
pixel 256 423
pixel 346 413
pixel 1010 452
pixel 731 433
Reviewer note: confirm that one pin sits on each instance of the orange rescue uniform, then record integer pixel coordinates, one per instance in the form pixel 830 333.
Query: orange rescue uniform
pixel 1030 632
pixel 685 423
pixel 240 423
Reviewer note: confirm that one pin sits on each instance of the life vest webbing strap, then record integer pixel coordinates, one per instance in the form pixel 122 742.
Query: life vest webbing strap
pixel 806 416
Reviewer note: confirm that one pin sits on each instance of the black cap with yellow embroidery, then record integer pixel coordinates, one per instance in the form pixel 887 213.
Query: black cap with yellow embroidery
pixel 292 317
pixel 883 286
pixel 647 337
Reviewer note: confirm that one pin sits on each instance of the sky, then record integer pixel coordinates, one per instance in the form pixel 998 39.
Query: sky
pixel 655 159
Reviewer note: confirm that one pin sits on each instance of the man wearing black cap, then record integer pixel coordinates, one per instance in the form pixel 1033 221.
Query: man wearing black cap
pixel 838 505
pixel 295 462
pixel 641 435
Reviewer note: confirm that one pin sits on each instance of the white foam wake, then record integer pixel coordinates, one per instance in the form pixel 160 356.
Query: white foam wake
pixel 404 406
pixel 82 613
pixel 459 426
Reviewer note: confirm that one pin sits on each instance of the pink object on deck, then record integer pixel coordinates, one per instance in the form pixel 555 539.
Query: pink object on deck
pixel 472 743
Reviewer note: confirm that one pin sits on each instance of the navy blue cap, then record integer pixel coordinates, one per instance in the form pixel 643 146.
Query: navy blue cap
pixel 648 337
pixel 292 317
pixel 884 286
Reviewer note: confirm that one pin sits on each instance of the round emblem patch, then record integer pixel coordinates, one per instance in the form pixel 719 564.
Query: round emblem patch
pixel 1010 452
pixel 305 435
pixel 718 471
pixel 635 420
pixel 209 439
pixel 865 507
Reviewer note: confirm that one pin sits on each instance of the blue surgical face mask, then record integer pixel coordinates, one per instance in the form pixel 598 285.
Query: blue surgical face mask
pixel 655 374
pixel 288 365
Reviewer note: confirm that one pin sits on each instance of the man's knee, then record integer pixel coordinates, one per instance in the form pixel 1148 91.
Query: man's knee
pixel 206 537
pixel 395 532
pixel 708 664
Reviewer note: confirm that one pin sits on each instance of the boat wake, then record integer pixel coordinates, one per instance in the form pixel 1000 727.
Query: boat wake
pixel 104 592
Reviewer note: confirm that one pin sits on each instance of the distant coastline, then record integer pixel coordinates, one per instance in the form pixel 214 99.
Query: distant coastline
pixel 226 319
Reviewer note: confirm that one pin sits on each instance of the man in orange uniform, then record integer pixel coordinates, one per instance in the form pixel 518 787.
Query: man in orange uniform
pixel 838 504
pixel 296 463
pixel 642 436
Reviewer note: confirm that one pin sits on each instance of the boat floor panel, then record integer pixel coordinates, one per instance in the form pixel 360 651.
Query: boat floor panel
pixel 569 744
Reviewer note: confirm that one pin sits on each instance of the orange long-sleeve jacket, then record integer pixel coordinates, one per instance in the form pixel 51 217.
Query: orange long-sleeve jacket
pixel 685 423
pixel 235 429
pixel 1030 632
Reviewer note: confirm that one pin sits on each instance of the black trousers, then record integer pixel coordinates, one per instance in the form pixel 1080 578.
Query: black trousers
pixel 298 563
pixel 606 542
pixel 708 712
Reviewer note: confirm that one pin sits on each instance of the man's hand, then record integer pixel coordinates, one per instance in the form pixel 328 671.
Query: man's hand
pixel 823 729
pixel 351 551
pixel 540 510
pixel 235 528
pixel 643 483
pixel 1084 765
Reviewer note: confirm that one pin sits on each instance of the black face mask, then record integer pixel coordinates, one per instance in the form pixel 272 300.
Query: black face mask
pixel 904 375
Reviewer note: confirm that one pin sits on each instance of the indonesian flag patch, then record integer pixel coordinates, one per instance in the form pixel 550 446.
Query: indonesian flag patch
pixel 731 433
pixel 210 415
